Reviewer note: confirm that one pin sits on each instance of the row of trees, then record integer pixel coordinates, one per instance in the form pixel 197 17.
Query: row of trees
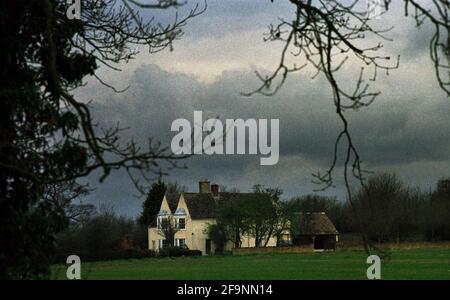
pixel 103 235
pixel 385 209
pixel 389 210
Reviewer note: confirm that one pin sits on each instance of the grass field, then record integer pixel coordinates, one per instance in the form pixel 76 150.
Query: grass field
pixel 403 264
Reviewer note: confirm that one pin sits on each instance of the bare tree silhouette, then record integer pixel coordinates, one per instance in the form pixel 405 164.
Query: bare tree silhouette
pixel 324 36
pixel 112 30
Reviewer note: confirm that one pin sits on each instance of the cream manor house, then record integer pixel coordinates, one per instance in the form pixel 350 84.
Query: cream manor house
pixel 192 213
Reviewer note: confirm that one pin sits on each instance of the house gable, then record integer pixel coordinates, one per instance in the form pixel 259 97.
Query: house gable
pixel 182 205
pixel 165 206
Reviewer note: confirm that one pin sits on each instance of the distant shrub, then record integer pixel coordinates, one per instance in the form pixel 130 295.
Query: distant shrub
pixel 178 251
pixel 194 253
pixel 105 236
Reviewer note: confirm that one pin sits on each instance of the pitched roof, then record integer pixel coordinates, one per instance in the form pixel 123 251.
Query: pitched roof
pixel 315 223
pixel 203 205
pixel 172 200
pixel 200 205
pixel 243 196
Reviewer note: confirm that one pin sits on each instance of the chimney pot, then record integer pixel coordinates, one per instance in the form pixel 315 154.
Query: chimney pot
pixel 204 186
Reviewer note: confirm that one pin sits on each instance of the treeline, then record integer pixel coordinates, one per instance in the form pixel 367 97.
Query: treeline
pixel 103 236
pixel 387 210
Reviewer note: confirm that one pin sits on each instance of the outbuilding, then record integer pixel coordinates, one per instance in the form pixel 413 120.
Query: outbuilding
pixel 315 229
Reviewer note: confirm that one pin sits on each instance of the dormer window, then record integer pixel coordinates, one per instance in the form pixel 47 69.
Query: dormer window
pixel 180 218
pixel 162 218
pixel 181 223
pixel 180 212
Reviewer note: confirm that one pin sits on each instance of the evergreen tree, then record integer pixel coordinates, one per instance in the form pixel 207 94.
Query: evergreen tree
pixel 152 203
pixel 47 135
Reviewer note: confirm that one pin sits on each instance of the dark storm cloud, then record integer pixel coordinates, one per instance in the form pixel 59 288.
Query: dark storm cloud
pixel 407 130
pixel 403 127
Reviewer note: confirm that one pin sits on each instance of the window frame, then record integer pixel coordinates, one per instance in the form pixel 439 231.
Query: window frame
pixel 160 221
pixel 178 223
pixel 178 243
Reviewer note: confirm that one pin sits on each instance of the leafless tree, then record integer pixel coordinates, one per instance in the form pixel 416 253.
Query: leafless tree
pixel 62 195
pixel 167 229
pixel 174 189
pixel 48 136
pixel 436 12
pixel 325 35
pixel 112 32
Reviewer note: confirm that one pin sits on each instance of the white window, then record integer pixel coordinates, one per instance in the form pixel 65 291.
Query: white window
pixel 180 218
pixel 163 244
pixel 180 243
pixel 181 223
pixel 162 222
pixel 163 215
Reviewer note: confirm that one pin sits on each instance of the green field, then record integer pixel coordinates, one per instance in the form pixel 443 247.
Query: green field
pixel 403 264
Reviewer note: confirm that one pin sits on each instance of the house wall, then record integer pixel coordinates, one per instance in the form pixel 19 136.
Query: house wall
pixel 165 205
pixel 249 242
pixel 199 235
pixel 153 232
pixel 153 238
pixel 196 235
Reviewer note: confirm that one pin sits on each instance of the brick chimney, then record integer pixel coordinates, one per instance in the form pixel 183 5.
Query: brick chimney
pixel 215 189
pixel 204 186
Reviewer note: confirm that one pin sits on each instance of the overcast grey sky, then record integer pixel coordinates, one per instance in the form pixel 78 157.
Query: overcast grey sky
pixel 407 130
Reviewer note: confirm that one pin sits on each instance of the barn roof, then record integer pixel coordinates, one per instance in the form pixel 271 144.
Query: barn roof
pixel 315 223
